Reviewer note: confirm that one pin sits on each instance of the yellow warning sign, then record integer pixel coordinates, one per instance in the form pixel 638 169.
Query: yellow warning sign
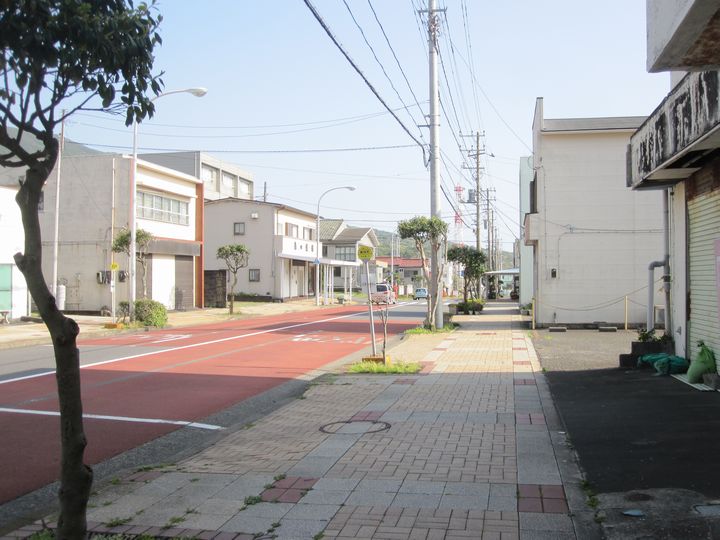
pixel 365 253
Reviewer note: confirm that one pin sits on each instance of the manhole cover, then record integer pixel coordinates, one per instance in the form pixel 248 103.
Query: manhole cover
pixel 637 496
pixel 355 426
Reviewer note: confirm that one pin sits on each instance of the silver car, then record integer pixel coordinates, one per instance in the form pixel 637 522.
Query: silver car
pixel 420 292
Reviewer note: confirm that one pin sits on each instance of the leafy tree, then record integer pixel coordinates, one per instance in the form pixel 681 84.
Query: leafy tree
pixel 121 244
pixel 235 257
pixel 66 55
pixel 473 262
pixel 433 232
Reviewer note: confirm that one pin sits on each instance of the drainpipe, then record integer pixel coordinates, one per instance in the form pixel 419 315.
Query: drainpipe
pixel 666 277
pixel 665 263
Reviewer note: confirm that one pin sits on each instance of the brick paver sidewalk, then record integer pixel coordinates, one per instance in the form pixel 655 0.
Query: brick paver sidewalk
pixel 462 451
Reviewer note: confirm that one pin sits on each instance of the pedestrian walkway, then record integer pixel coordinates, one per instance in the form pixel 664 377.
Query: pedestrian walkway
pixel 464 450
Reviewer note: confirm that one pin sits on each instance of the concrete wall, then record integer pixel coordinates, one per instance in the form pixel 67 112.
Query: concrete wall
pixel 594 234
pixel 12 238
pixel 679 36
pixel 678 267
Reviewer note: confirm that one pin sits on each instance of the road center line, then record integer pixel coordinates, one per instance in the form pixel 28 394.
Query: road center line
pixel 192 345
pixel 119 418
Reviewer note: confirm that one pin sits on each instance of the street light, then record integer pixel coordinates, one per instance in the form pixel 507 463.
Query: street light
pixel 317 242
pixel 197 92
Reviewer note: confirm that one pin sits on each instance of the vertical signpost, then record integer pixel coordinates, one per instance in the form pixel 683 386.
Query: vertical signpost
pixel 365 253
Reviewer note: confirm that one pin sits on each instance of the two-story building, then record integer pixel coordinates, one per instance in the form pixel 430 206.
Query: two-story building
pixel 592 238
pixel 282 243
pixel 341 242
pixel 93 209
pixel 676 154
pixel 14 302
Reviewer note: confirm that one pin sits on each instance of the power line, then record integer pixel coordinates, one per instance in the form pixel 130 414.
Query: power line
pixel 225 151
pixel 382 67
pixel 397 61
pixel 357 69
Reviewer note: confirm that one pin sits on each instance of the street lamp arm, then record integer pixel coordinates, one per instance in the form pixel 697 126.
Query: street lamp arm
pixel 317 240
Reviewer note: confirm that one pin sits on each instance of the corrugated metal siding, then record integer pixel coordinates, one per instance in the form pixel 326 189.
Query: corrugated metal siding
pixel 703 230
pixel 184 281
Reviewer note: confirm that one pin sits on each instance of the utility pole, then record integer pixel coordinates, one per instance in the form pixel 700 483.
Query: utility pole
pixel 487 225
pixel 478 169
pixel 53 284
pixel 436 262
pixel 264 191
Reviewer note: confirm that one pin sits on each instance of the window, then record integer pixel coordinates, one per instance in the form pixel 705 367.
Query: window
pixel 337 271
pixel 291 230
pixel 239 228
pixel 254 274
pixel 209 177
pixel 160 208
pixel 243 190
pixel 324 251
pixel 307 233
pixel 229 181
pixel 345 253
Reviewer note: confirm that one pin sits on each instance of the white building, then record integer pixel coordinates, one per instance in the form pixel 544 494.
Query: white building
pixel 341 242
pixel 13 289
pixel 525 250
pixel 592 238
pixel 282 245
pixel 94 195
pixel 677 150
pixel 220 178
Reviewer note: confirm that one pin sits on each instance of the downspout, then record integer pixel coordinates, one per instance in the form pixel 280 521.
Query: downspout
pixel 665 263
pixel 666 277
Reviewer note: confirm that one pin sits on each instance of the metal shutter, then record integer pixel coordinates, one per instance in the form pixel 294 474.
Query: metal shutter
pixel 184 281
pixel 703 231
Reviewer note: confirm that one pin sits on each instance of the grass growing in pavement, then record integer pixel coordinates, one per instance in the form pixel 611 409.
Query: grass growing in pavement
pixel 377 367
pixel 449 327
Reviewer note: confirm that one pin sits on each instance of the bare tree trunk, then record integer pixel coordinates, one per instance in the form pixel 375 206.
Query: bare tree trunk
pixel 430 319
pixel 232 293
pixel 143 263
pixel 75 477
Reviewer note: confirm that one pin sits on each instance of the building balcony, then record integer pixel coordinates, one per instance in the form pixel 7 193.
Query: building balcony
pixel 303 249
pixel 679 136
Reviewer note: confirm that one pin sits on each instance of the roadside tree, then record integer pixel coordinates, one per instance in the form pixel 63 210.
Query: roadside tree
pixel 121 244
pixel 433 232
pixel 473 263
pixel 235 257
pixel 61 56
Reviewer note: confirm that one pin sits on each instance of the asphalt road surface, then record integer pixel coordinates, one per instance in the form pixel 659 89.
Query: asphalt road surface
pixel 140 386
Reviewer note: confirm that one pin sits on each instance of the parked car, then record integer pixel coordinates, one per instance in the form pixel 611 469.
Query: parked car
pixel 384 295
pixel 420 292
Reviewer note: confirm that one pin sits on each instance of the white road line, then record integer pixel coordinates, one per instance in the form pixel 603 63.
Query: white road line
pixel 212 342
pixel 120 418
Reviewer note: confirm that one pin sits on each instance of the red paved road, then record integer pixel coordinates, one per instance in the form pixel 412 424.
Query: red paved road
pixel 203 370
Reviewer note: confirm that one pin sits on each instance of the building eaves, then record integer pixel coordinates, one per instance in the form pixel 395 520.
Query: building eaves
pixel 278 206
pixel 617 123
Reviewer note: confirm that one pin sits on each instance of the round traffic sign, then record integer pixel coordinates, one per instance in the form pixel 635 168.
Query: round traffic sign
pixel 365 253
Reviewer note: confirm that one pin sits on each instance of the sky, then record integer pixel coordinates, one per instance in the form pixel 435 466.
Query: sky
pixel 284 104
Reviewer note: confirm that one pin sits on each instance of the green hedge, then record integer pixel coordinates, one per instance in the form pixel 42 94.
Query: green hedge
pixel 150 313
pixel 471 306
